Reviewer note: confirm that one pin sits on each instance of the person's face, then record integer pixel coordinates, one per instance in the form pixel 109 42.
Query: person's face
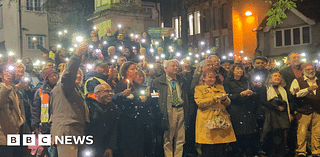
pixel 132 71
pixel 139 79
pixel 186 65
pixel 104 69
pixel 19 71
pixel 260 64
pixel 180 42
pixel 190 49
pixel 111 51
pixel 172 68
pixel 276 78
pixel 121 61
pixel 158 69
pixel 226 66
pixel 105 94
pixel 62 53
pixel 294 59
pixel 28 63
pixel 216 62
pixel 143 51
pixel 160 50
pixel 94 39
pixel 45 56
pixel 144 34
pixel 53 78
pixel 247 63
pixel 61 66
pixel 238 71
pixel 309 71
pixel 210 79
pixel 79 77
pixel 126 52
pixel 49 65
pixel 207 65
pixel 120 36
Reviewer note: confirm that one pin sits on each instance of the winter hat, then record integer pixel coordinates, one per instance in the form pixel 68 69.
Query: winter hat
pixel 305 65
pixel 47 72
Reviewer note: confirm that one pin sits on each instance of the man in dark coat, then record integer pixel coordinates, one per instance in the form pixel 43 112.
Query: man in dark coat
pixel 103 121
pixel 174 106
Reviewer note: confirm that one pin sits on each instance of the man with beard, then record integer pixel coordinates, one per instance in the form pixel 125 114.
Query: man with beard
pixel 99 75
pixel 307 94
pixel 40 108
pixel 27 62
pixel 103 121
pixel 259 73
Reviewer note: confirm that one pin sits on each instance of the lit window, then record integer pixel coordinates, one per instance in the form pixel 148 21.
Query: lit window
pixel 34 5
pixel 162 24
pixel 176 26
pixel 216 42
pixel 197 22
pixel 40 41
pixel 190 24
pixel 293 36
pixel 179 26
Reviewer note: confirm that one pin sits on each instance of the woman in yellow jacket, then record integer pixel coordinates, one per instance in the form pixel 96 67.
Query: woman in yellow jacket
pixel 213 125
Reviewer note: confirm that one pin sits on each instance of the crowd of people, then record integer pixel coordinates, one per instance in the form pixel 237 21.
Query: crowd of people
pixel 144 97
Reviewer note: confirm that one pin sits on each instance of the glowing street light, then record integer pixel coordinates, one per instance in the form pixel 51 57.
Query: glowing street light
pixel 248 13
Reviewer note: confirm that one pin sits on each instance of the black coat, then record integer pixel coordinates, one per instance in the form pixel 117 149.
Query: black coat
pixel 102 126
pixel 242 109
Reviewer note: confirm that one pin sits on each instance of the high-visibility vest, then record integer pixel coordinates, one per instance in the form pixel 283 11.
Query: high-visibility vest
pixel 51 55
pixel 44 117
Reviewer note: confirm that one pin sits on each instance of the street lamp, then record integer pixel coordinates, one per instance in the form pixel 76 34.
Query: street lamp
pixel 248 13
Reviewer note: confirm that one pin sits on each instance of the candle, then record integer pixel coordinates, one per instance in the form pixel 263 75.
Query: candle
pixel 128 84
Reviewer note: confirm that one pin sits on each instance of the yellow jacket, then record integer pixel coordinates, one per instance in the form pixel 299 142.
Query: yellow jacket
pixel 206 99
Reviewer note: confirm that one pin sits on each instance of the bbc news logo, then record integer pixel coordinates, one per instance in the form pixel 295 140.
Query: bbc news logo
pixel 45 140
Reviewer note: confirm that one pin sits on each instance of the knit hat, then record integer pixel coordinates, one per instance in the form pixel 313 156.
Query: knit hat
pixel 47 72
pixel 305 65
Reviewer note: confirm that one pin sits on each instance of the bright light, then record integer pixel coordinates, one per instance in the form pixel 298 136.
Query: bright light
pixel 245 58
pixel 172 35
pixel 143 40
pixel 75 45
pixel 65 31
pixel 67 59
pixel 71 49
pixel 224 57
pixel 98 51
pixel 91 46
pixel 175 38
pixel 157 43
pixel 190 53
pixel 0 55
pixel 162 55
pixel 58 46
pixel 170 47
pixel 151 66
pixel 94 28
pixel 119 25
pixel 133 47
pixel 142 92
pixel 26 79
pixel 178 54
pixel 230 54
pixel 278 63
pixel 11 68
pixel 136 36
pixel 196 61
pixel 120 48
pixel 115 57
pixel 151 50
pixel 37 63
pixel 181 62
pixel 208 52
pixel 87 153
pixel 43 62
pixel 241 52
pixel 89 66
pixel 258 78
pixel 157 57
pixel 202 43
pixel 316 61
pixel 79 39
pixel 10 54
pixel 303 54
pixel 197 55
pixel 141 57
pixel 105 42
pixel 188 58
pixel 304 60
pixel 34 39
pixel 19 61
pixel 60 33
pixel 202 53
pixel 112 60
pixel 131 35
pixel 248 13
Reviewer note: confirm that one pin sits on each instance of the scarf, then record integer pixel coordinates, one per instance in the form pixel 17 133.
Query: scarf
pixel 271 93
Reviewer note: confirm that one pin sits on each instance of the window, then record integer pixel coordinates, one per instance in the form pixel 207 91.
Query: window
pixel 34 5
pixel 216 42
pixel 190 24
pixel 176 27
pixel 197 22
pixel 293 36
pixel 31 45
pixel 1 17
pixel 179 26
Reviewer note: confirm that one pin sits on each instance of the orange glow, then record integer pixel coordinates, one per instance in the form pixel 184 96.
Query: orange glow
pixel 128 81
pixel 248 13
pixel 237 32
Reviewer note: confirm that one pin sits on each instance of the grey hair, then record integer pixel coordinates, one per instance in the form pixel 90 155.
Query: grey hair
pixel 111 47
pixel 291 54
pixel 18 64
pixel 166 62
pixel 268 81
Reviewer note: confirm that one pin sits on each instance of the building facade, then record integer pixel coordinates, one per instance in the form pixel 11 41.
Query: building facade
pixel 34 24
pixel 224 24
pixel 135 16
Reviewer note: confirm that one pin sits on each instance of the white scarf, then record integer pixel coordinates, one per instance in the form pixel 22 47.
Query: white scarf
pixel 271 93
